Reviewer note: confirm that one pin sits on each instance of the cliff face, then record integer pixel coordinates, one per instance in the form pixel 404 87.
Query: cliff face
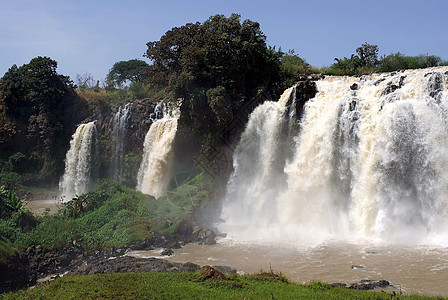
pixel 192 154
pixel 140 117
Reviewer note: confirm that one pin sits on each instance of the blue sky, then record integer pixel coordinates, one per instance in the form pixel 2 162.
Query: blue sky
pixel 90 36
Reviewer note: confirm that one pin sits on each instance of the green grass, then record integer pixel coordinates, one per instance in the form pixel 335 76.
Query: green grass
pixel 189 286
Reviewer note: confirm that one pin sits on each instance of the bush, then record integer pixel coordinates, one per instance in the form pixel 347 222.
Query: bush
pixel 111 215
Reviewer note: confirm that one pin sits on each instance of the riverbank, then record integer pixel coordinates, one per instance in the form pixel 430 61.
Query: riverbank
pixel 411 269
pixel 192 285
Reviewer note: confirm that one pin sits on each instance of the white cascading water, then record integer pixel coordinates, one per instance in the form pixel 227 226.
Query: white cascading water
pixel 369 161
pixel 120 120
pixel 155 169
pixel 77 176
pixel 258 163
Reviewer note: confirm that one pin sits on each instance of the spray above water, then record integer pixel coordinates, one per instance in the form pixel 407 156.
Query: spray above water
pixel 370 161
pixel 77 176
pixel 155 169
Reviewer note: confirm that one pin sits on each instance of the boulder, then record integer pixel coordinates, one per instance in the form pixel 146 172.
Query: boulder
pixel 364 285
pixel 167 252
pixel 203 236
pixel 210 272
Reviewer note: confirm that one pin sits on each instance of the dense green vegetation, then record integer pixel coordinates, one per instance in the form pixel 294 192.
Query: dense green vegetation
pixel 191 286
pixel 366 61
pixel 216 67
pixel 111 215
pixel 39 111
pixel 221 69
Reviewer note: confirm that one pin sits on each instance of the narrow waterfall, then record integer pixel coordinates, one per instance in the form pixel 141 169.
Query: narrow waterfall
pixel 370 161
pixel 155 169
pixel 77 176
pixel 120 122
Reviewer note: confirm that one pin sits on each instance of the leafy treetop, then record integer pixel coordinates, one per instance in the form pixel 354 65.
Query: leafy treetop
pixel 42 108
pixel 216 67
pixel 122 71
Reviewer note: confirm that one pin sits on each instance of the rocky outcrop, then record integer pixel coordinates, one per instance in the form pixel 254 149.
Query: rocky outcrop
pixel 305 90
pixel 25 269
pixel 142 115
pixel 364 284
pixel 167 252
pixel 126 264
pixel 203 236
pixel 392 87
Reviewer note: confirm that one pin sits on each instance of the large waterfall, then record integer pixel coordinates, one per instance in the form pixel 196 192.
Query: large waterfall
pixel 77 176
pixel 370 161
pixel 155 169
pixel 120 120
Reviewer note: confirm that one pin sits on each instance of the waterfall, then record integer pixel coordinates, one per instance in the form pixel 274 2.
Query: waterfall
pixel 370 161
pixel 258 163
pixel 77 176
pixel 155 169
pixel 120 122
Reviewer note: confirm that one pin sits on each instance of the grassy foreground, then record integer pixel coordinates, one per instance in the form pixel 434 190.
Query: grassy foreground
pixel 189 286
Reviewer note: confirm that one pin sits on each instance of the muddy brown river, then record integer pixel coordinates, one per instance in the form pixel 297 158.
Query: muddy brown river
pixel 411 269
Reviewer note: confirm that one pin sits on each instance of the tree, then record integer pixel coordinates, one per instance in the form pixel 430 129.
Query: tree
pixel 292 65
pixel 365 61
pixel 33 87
pixel 85 81
pixel 216 67
pixel 132 70
pixel 43 109
pixel 368 54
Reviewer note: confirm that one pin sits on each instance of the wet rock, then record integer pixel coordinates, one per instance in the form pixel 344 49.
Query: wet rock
pixel 167 252
pixel 364 285
pixel 354 87
pixel 401 82
pixel 354 267
pixel 336 284
pixel 353 104
pixel 305 90
pixel 310 77
pixel 203 236
pixel 210 272
pixel 158 240
pixel 390 89
pixel 383 283
pixel 127 264
pixel 376 83
pixel 435 86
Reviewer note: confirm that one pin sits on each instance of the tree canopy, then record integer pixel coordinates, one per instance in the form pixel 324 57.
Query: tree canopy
pixel 40 109
pixel 132 70
pixel 215 67
pixel 366 61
